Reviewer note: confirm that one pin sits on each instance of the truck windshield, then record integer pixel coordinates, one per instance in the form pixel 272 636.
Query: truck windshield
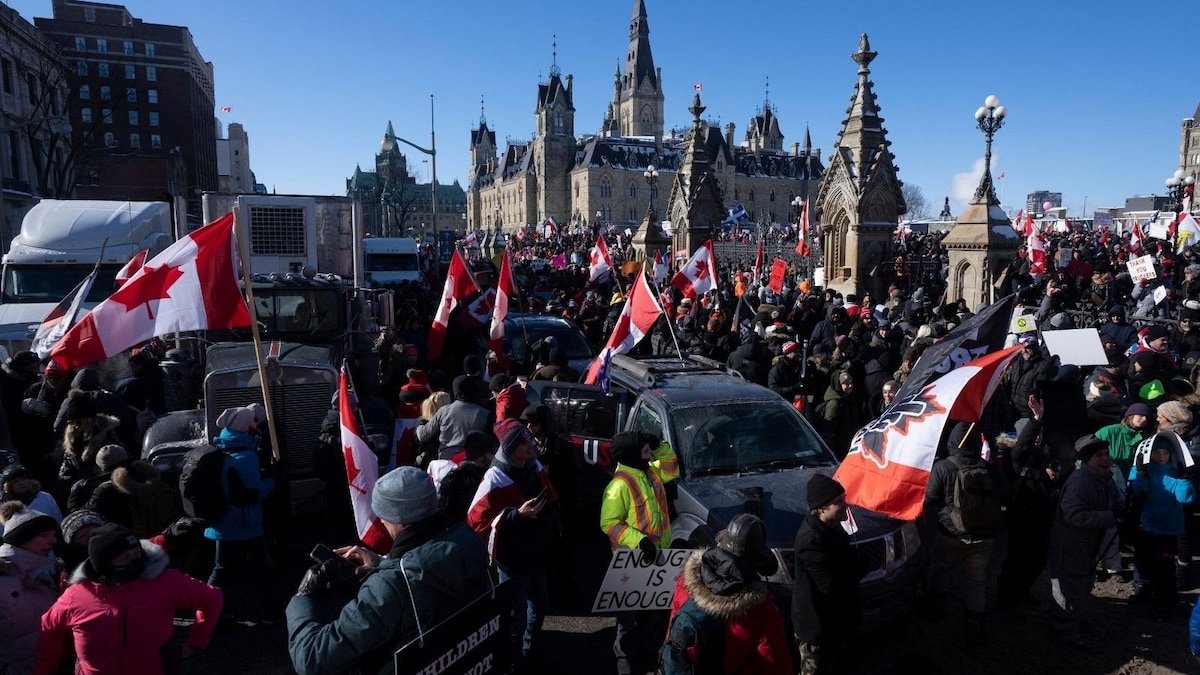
pixel 391 262
pixel 744 436
pixel 51 283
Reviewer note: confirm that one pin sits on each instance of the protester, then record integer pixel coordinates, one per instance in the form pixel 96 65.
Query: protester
pixel 434 569
pixel 449 426
pixel 457 489
pixel 29 574
pixel 17 483
pixel 1158 485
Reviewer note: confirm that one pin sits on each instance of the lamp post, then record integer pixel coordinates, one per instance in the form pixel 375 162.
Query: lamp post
pixel 651 175
pixel 389 142
pixel 989 117
pixel 1180 186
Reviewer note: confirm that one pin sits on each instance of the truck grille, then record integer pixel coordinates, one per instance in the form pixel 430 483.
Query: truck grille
pixel 299 410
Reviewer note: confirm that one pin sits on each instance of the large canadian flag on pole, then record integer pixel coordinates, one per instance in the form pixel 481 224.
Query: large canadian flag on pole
pixel 1037 253
pixel 637 318
pixel 505 289
pixel 758 261
pixel 362 471
pixel 459 284
pixel 802 248
pixel 192 285
pixel 698 276
pixel 601 263
pixel 888 463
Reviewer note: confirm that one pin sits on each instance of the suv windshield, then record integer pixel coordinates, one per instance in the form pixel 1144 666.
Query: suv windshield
pixel 745 436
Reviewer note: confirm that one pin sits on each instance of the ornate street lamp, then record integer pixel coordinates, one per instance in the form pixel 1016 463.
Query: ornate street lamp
pixel 1180 186
pixel 651 175
pixel 990 117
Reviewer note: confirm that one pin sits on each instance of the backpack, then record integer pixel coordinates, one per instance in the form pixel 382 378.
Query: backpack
pixel 200 483
pixel 695 643
pixel 976 505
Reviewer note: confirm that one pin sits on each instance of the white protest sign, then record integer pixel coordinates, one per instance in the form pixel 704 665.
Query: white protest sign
pixel 1079 347
pixel 1022 324
pixel 1142 269
pixel 1159 294
pixel 628 586
pixel 1158 230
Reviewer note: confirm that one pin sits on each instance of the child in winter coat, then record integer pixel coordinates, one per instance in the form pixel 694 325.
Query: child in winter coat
pixel 1158 484
pixel 28 583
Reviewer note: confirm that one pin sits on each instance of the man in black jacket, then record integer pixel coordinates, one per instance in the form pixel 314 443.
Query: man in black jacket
pixel 784 378
pixel 826 607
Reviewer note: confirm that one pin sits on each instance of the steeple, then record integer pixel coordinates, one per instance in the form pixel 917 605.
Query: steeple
pixel 862 132
pixel 807 148
pixel 695 206
pixel 640 109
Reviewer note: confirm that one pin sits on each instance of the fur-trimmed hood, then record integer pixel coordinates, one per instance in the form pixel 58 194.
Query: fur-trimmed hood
pixel 102 433
pixel 137 479
pixel 156 561
pixel 725 607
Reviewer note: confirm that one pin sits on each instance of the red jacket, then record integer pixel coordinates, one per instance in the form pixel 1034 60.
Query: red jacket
pixel 121 629
pixel 754 639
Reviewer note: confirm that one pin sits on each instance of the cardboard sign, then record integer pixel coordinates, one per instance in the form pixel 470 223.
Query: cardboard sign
pixel 1142 269
pixel 630 587
pixel 475 640
pixel 1079 347
pixel 778 273
pixel 1024 323
pixel 1159 294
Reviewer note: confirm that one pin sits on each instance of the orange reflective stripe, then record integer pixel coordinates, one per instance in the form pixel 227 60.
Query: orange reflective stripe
pixel 615 532
pixel 640 507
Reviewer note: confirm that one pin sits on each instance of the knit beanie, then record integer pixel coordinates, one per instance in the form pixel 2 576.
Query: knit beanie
pixel 1156 332
pixel 511 434
pixel 77 520
pixel 404 495
pixel 22 524
pixel 962 440
pixel 1175 413
pixel 236 419
pixel 478 444
pixel 107 543
pixel 822 490
pixel 78 406
pixel 110 457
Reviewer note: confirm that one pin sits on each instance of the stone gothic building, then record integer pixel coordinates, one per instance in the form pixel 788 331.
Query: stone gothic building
pixel 599 177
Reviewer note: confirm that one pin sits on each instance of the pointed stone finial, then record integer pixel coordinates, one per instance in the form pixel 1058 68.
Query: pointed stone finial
pixel 482 117
pixel 554 70
pixel 864 56
pixel 697 110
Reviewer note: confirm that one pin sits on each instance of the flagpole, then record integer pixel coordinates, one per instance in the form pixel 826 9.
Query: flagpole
pixel 244 254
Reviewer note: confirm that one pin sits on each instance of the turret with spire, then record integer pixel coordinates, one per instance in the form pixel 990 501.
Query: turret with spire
pixel 640 108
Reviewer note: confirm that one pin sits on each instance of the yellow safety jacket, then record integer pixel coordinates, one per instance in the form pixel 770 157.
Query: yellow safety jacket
pixel 635 502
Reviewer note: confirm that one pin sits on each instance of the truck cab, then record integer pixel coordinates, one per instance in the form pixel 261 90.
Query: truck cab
pixel 389 261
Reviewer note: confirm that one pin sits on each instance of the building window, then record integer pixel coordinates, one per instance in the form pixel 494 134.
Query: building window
pixel 153 119
pixel 127 48
pixel 106 115
pixel 133 117
pixel 152 95
pixel 151 74
pixel 771 196
pixel 632 212
pixel 752 196
pixel 632 191
pixel 32 84
pixel 110 139
pixel 85 92
pixel 101 46
pixel 605 188
pixel 105 93
pixel 80 44
pixel 149 49
pixel 89 14
pixel 135 140
pixel 130 71
pixel 85 115
pixel 131 94
pixel 81 67
pixel 7 67
pixel 155 141
pixel 102 69
pixel 654 191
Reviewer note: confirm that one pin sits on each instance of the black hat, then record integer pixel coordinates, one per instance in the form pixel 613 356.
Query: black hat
pixel 107 543
pixel 1088 446
pixel 536 412
pixel 477 444
pixel 822 490
pixel 79 405
pixel 13 472
pixel 472 364
pixel 626 448
pixel 1156 332
pixel 22 524
pixel 962 440
pixel 746 537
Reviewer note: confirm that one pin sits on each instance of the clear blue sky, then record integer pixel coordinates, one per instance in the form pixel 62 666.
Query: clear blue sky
pixel 1093 109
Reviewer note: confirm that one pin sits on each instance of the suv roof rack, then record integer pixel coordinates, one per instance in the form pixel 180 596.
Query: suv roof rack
pixel 648 369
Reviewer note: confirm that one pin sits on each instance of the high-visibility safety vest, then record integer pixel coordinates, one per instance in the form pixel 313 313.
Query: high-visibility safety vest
pixel 635 502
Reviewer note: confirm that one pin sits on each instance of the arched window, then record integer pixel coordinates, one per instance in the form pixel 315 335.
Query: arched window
pixel 605 188
pixel 752 196
pixel 771 197
pixel 633 191
pixel 735 194
pixel 654 191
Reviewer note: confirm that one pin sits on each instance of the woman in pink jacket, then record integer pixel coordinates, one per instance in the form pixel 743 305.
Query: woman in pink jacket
pixel 120 608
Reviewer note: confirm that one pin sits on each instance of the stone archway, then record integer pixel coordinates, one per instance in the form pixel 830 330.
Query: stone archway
pixel 965 276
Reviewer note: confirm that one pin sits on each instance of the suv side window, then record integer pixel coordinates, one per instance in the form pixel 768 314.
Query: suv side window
pixel 647 420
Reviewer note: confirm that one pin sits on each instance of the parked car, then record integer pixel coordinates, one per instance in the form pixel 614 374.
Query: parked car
pixel 741 448
pixel 525 330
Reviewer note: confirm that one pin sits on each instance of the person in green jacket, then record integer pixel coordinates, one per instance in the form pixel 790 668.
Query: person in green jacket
pixel 1123 438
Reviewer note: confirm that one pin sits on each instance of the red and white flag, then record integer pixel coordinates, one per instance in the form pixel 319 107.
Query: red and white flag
pixel 1017 221
pixel 660 271
pixel 1137 237
pixel 1037 253
pixel 637 318
pixel 1187 234
pixel 63 316
pixel 698 275
pixel 758 261
pixel 135 263
pixel 1062 225
pixel 888 463
pixel 601 264
pixel 362 471
pixel 505 289
pixel 551 228
pixel 192 285
pixel 459 285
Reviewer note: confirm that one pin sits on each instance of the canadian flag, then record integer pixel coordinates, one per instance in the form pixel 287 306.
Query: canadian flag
pixel 1037 253
pixel 888 463
pixel 1137 236
pixel 551 227
pixel 362 471
pixel 135 263
pixel 637 318
pixel 1016 221
pixel 659 272
pixel 1062 225
pixel 802 227
pixel 192 285
pixel 758 262
pixel 459 284
pixel 601 262
pixel 697 277
pixel 505 289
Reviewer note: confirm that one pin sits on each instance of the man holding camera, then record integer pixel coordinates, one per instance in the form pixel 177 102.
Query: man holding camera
pixel 435 569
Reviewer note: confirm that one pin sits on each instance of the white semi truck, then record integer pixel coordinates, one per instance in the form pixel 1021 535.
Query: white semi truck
pixel 388 261
pixel 59 244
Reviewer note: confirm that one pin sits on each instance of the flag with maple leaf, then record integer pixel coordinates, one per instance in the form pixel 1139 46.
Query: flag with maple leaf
pixel 637 317
pixel 758 261
pixel 660 271
pixel 887 465
pixel 697 276
pixel 459 285
pixel 63 316
pixel 135 263
pixel 600 262
pixel 362 470
pixel 191 285
pixel 505 290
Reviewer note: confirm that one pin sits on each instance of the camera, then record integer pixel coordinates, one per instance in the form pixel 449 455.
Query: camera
pixel 35 406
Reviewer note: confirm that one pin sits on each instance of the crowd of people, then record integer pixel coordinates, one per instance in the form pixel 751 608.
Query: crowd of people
pixel 1083 464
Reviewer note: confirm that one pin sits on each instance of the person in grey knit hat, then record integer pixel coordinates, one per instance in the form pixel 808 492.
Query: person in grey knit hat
pixel 434 569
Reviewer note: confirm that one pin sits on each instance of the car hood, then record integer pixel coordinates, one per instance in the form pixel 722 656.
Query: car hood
pixel 784 499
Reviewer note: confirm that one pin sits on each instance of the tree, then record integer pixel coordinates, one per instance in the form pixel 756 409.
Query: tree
pixel 918 206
